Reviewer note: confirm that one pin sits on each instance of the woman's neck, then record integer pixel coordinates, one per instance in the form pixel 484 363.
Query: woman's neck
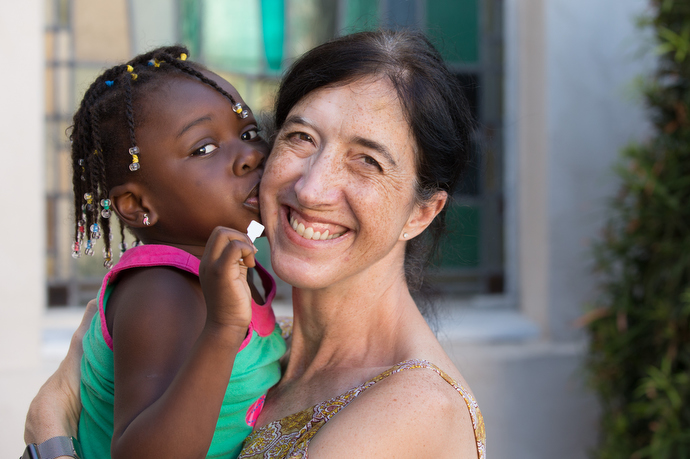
pixel 351 326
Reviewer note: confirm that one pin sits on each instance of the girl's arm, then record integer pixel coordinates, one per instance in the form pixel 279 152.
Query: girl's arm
pixel 174 352
pixel 55 409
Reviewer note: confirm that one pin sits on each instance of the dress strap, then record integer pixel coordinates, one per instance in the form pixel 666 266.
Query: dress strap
pixel 290 436
pixel 472 406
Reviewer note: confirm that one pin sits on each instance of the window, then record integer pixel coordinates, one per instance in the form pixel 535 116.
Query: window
pixel 250 43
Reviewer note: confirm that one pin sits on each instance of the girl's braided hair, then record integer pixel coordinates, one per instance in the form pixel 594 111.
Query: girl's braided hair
pixel 103 137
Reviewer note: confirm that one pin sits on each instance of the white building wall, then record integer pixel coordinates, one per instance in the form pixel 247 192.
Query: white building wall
pixel 594 52
pixel 22 198
pixel 570 108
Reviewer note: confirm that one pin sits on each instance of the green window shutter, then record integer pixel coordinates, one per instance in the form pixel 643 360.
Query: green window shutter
pixel 454 28
pixel 190 16
pixel 273 26
pixel 361 15
pixel 460 247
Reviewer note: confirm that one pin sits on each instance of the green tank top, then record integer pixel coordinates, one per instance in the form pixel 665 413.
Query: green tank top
pixel 255 370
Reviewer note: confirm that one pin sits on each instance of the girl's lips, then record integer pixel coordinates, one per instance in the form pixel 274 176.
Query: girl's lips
pixel 252 200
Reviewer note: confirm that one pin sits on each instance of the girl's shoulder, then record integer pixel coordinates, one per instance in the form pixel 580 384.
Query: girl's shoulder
pixel 153 283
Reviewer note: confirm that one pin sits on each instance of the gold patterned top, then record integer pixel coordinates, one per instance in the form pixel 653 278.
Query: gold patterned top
pixel 289 437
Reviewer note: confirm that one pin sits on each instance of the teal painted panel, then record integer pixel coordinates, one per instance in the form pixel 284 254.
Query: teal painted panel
pixel 453 26
pixel 273 25
pixel 361 15
pixel 460 247
pixel 231 35
pixel 190 15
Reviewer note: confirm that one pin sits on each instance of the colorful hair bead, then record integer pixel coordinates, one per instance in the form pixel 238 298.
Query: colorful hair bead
pixel 109 83
pixel 89 248
pixel 76 250
pixel 95 231
pixel 183 57
pixel 106 212
pixel 241 111
pixel 88 197
pixel 134 166
pixel 130 69
pixel 107 259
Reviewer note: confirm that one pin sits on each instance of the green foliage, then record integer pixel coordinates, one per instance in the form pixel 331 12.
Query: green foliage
pixel 639 357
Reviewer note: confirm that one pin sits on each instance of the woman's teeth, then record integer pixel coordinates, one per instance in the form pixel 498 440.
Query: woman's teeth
pixel 309 233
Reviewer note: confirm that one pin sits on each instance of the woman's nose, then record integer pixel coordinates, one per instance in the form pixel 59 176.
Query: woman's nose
pixel 320 181
pixel 248 158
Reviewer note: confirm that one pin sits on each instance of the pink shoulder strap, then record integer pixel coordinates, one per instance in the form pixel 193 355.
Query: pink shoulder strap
pixel 263 318
pixel 140 257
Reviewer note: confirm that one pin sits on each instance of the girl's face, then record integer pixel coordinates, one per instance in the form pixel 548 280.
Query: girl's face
pixel 200 163
pixel 339 186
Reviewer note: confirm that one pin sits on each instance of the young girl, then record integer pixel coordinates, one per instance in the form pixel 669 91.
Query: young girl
pixel 172 149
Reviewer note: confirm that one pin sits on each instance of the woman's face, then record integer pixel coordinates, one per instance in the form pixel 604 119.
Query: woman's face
pixel 338 188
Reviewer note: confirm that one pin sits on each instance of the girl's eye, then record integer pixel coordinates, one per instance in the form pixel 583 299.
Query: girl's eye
pixel 206 149
pixel 250 134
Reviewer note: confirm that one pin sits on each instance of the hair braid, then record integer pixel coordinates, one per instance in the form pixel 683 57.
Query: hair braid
pixel 129 111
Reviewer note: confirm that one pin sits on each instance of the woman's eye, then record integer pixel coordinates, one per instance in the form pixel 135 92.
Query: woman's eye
pixel 250 134
pixel 206 149
pixel 373 162
pixel 305 137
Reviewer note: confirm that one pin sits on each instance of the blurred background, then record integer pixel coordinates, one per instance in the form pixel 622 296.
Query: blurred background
pixel 550 82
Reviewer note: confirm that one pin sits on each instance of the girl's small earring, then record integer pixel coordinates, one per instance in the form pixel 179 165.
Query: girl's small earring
pixel 146 220
pixel 405 235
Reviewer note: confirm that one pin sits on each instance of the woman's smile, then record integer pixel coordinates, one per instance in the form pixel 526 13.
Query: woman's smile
pixel 314 229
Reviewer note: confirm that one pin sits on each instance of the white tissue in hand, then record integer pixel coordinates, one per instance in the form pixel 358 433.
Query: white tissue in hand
pixel 254 230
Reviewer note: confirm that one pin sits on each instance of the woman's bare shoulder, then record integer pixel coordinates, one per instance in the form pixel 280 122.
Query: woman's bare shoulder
pixel 413 413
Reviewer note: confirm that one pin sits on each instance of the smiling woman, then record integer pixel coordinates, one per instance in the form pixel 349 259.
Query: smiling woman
pixel 373 134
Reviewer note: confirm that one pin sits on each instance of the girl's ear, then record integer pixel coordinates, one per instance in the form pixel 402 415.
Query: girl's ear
pixel 423 215
pixel 130 203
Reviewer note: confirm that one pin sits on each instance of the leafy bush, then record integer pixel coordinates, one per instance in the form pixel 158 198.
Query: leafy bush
pixel 639 358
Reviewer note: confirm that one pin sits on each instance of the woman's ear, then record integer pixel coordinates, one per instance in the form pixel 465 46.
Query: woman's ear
pixel 131 205
pixel 423 215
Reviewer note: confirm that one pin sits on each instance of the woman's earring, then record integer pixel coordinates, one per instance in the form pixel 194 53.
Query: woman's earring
pixel 404 235
pixel 146 220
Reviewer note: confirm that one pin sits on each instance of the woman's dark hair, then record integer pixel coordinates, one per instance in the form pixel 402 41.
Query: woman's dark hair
pixel 103 137
pixel 432 100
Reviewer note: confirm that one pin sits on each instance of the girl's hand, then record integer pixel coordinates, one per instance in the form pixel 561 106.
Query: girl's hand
pixel 223 277
pixel 55 409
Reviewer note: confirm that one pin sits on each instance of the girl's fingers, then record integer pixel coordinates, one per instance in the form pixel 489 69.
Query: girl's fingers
pixel 227 246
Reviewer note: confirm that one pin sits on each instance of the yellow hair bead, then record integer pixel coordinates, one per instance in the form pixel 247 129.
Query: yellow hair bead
pixel 134 76
pixel 183 57
pixel 130 69
pixel 135 158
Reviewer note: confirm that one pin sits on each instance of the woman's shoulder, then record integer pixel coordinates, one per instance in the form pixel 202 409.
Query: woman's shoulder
pixel 413 409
